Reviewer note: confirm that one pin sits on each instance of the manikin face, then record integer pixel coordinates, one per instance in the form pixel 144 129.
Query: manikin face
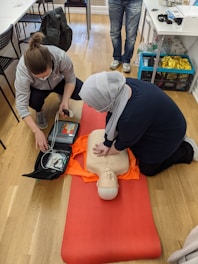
pixel 108 179
pixel 107 185
pixel 44 75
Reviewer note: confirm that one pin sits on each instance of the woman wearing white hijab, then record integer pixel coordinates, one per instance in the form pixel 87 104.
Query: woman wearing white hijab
pixel 140 116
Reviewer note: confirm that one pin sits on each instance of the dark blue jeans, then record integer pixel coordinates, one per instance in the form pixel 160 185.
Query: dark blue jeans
pixel 37 97
pixel 132 10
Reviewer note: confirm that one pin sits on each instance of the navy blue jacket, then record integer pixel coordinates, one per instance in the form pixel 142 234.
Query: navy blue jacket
pixel 151 125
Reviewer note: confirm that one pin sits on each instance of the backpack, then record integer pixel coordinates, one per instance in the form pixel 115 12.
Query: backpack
pixel 56 30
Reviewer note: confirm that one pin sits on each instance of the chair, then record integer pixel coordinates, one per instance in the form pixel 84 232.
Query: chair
pixel 47 2
pixel 29 17
pixel 11 108
pixel 5 38
pixel 77 3
pixel 32 17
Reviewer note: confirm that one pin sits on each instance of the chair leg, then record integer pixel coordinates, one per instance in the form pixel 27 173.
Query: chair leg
pixel 18 37
pixel 87 23
pixel 9 85
pixel 15 49
pixel 48 6
pixel 68 14
pixel 9 104
pixel 3 70
pixel 19 44
pixel 2 144
pixel 24 30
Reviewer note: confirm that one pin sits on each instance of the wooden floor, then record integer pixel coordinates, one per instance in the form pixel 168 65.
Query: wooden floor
pixel 32 213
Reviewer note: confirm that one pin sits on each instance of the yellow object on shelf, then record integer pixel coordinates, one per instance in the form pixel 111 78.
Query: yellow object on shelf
pixel 175 62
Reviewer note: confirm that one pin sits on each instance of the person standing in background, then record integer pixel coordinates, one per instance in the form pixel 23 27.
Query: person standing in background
pixel 132 10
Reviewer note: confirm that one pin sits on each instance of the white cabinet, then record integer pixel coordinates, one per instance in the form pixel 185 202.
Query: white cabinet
pixel 148 32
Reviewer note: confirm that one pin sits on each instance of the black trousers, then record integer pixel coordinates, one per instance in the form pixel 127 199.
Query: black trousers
pixel 37 97
pixel 184 154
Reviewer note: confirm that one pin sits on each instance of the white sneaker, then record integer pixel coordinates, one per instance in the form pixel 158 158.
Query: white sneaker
pixel 115 64
pixel 126 67
pixel 194 146
pixel 41 120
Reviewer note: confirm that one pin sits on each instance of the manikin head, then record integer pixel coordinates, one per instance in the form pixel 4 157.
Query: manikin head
pixel 107 185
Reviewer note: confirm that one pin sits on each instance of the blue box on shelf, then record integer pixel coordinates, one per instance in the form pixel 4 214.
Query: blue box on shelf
pixel 166 78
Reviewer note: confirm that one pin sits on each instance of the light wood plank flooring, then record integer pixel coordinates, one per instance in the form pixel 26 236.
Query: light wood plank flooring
pixel 32 213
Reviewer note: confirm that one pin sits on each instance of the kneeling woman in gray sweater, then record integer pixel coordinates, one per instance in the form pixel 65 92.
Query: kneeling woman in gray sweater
pixel 43 69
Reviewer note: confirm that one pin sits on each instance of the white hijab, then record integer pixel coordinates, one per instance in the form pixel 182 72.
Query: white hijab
pixel 107 92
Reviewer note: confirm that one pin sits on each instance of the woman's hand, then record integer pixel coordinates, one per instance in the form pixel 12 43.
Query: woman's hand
pixel 63 106
pixel 113 150
pixel 100 150
pixel 41 141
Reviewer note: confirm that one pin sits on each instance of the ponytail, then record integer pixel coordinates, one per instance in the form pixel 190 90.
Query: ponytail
pixel 37 57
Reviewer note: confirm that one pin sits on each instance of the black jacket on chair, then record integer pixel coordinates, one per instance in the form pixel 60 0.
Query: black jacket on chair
pixel 56 30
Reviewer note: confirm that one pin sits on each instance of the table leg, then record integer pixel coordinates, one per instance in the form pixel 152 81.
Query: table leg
pixel 143 24
pixel 157 59
pixel 89 14
pixel 193 82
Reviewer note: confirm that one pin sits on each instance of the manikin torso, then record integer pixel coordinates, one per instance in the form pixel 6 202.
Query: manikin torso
pixel 106 167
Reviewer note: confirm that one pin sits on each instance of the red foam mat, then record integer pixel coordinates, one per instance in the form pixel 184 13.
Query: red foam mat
pixel 98 231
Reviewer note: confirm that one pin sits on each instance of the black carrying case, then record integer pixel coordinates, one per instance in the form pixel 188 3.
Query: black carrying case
pixel 42 160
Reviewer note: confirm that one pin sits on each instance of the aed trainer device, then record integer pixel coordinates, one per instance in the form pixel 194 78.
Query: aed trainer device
pixel 53 163
pixel 64 132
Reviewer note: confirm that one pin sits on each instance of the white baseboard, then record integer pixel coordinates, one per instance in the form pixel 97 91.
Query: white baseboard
pixel 96 10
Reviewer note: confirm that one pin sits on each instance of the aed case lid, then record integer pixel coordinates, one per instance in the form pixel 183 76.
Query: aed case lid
pixel 64 132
